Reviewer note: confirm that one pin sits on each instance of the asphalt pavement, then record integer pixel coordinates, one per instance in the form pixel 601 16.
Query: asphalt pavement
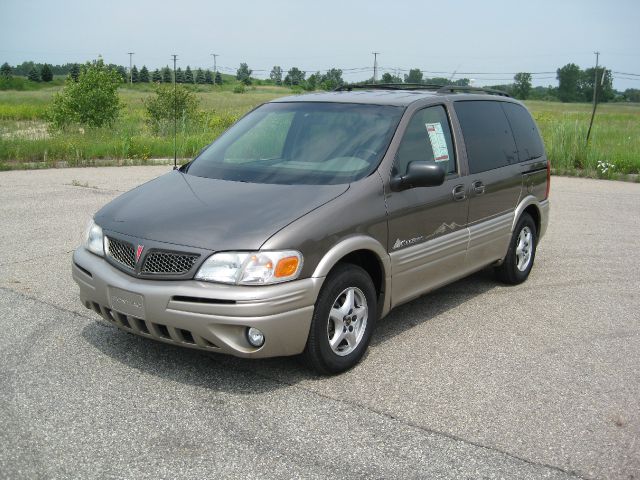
pixel 476 380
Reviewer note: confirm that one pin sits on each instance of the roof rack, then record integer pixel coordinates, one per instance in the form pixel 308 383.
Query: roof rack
pixel 387 86
pixel 462 88
pixel 420 86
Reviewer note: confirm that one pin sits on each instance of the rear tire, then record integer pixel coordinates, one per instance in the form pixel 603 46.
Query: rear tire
pixel 343 319
pixel 522 251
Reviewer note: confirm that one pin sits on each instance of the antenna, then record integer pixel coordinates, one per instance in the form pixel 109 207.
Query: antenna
pixel 175 115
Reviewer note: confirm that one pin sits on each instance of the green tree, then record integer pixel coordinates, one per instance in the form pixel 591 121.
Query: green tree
pixel 91 101
pixel 569 78
pixel 34 75
pixel 200 76
pixel 208 77
pixel 135 76
pixel 166 75
pixel 74 72
pixel 143 77
pixel 122 72
pixel 313 81
pixel 6 70
pixel 332 79
pixel 165 104
pixel 295 76
pixel 276 75
pixel 605 84
pixel 522 85
pixel 244 74
pixel 156 76
pixel 632 95
pixel 415 76
pixel 388 78
pixel 45 73
pixel 218 78
pixel 188 75
pixel 179 75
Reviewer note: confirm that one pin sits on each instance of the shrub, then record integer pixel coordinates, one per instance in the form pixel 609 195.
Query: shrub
pixel 166 104
pixel 240 88
pixel 91 101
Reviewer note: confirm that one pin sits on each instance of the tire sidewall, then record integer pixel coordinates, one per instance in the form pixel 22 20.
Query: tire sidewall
pixel 343 278
pixel 521 275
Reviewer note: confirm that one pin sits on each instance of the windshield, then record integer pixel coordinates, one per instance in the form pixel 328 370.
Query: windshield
pixel 301 143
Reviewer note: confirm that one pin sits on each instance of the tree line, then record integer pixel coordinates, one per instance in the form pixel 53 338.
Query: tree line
pixel 574 84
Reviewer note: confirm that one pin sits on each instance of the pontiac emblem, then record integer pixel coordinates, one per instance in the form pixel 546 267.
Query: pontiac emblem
pixel 139 252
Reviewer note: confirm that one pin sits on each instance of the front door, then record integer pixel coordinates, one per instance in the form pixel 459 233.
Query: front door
pixel 427 225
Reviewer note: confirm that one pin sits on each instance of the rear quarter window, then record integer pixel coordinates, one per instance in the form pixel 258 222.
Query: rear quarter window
pixel 524 131
pixel 487 135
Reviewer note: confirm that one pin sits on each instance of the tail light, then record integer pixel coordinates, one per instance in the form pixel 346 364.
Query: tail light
pixel 546 193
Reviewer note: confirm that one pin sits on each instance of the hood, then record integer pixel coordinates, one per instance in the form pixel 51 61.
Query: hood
pixel 212 214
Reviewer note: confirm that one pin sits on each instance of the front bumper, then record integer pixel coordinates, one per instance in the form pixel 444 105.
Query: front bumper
pixel 197 314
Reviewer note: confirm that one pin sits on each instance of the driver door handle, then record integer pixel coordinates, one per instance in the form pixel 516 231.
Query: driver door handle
pixel 459 193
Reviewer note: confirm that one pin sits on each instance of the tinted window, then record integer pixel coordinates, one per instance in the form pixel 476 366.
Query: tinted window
pixel 427 138
pixel 487 135
pixel 524 130
pixel 301 143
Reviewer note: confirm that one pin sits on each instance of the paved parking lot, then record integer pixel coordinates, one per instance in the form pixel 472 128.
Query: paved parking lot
pixel 477 380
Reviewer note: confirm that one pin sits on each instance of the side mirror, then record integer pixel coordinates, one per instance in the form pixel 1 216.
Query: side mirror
pixel 419 174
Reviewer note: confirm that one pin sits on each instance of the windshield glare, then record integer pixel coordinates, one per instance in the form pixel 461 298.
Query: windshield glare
pixel 301 143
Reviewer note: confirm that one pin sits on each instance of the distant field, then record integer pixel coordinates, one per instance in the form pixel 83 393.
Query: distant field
pixel 615 136
pixel 25 141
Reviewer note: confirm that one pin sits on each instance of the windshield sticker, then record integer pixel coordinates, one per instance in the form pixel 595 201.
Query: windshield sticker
pixel 438 143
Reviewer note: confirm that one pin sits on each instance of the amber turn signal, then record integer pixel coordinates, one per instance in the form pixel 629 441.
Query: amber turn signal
pixel 286 267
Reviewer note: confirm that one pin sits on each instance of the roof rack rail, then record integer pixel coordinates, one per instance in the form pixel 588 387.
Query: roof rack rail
pixel 387 86
pixel 419 86
pixel 461 88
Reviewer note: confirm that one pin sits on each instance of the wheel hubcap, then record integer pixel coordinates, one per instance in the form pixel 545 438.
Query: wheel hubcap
pixel 347 321
pixel 524 249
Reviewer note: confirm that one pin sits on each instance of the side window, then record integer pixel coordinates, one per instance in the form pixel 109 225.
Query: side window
pixel 524 131
pixel 427 138
pixel 487 135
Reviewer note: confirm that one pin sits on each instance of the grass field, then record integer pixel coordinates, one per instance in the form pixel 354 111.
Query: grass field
pixel 25 141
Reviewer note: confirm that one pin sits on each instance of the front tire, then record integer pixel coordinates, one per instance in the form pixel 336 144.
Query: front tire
pixel 517 264
pixel 343 319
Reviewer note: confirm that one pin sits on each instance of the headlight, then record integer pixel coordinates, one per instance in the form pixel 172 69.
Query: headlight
pixel 93 239
pixel 251 268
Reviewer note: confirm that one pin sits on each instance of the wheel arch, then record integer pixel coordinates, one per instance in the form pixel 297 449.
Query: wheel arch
pixel 530 205
pixel 368 254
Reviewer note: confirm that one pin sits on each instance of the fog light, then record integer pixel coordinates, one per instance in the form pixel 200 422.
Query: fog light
pixel 255 337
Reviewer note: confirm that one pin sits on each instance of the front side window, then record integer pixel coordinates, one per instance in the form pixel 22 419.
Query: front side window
pixel 427 139
pixel 301 143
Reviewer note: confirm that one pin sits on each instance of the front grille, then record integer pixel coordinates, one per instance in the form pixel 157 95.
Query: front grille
pixel 122 252
pixel 168 263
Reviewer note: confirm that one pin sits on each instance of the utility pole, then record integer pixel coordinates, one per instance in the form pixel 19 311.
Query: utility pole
pixel 130 67
pixel 215 66
pixel 375 66
pixel 175 115
pixel 595 96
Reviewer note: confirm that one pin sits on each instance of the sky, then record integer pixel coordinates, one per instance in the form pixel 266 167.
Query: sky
pixel 485 41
